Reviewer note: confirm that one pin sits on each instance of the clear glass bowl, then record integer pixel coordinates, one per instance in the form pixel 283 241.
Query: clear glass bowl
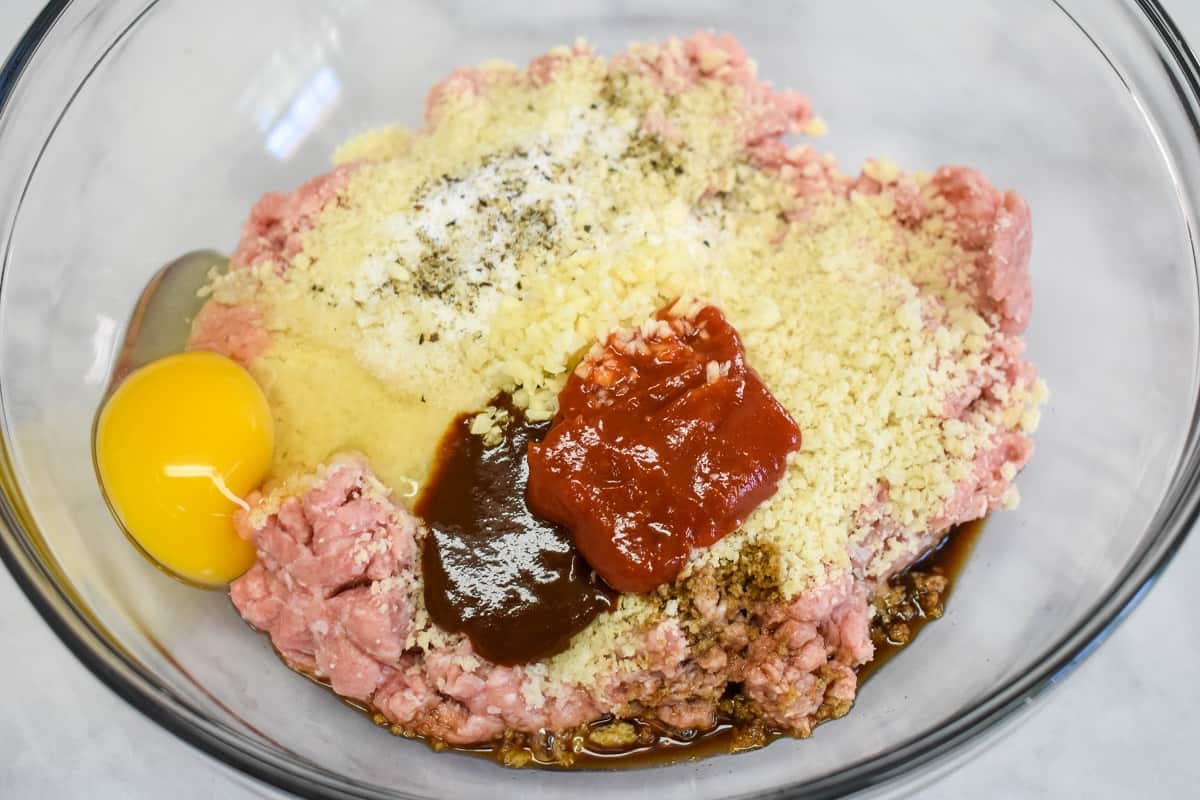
pixel 132 131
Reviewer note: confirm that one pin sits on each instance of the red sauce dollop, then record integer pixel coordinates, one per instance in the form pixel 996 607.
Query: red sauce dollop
pixel 665 440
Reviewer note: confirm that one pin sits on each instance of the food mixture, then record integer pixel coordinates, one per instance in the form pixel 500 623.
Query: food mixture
pixel 601 407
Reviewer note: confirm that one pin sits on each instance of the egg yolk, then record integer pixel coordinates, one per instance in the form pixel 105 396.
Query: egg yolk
pixel 178 444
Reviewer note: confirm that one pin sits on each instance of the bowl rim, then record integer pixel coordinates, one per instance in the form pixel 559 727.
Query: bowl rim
pixel 41 580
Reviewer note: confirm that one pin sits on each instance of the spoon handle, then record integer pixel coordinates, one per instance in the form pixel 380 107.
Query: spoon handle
pixel 161 320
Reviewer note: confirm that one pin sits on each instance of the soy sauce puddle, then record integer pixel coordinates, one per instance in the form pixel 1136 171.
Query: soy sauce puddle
pixel 948 558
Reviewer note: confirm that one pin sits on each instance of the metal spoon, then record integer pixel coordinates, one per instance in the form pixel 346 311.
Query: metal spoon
pixel 161 320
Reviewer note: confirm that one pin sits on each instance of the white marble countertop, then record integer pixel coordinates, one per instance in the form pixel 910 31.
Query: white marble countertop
pixel 1123 724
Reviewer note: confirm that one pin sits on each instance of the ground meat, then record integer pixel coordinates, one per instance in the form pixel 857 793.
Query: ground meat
pixel 991 476
pixel 462 83
pixel 272 234
pixel 335 588
pixel 325 584
pixel 763 117
pixel 995 228
pixel 765 114
pixel 236 331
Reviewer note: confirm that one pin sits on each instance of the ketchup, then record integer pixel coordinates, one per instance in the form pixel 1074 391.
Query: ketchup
pixel 665 440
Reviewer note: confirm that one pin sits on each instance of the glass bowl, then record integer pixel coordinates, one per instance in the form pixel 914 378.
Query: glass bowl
pixel 133 131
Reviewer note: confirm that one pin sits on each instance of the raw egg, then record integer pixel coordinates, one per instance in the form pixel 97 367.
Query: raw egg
pixel 178 444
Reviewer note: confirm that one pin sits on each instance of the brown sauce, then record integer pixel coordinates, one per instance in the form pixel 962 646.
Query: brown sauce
pixel 511 581
pixel 946 560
